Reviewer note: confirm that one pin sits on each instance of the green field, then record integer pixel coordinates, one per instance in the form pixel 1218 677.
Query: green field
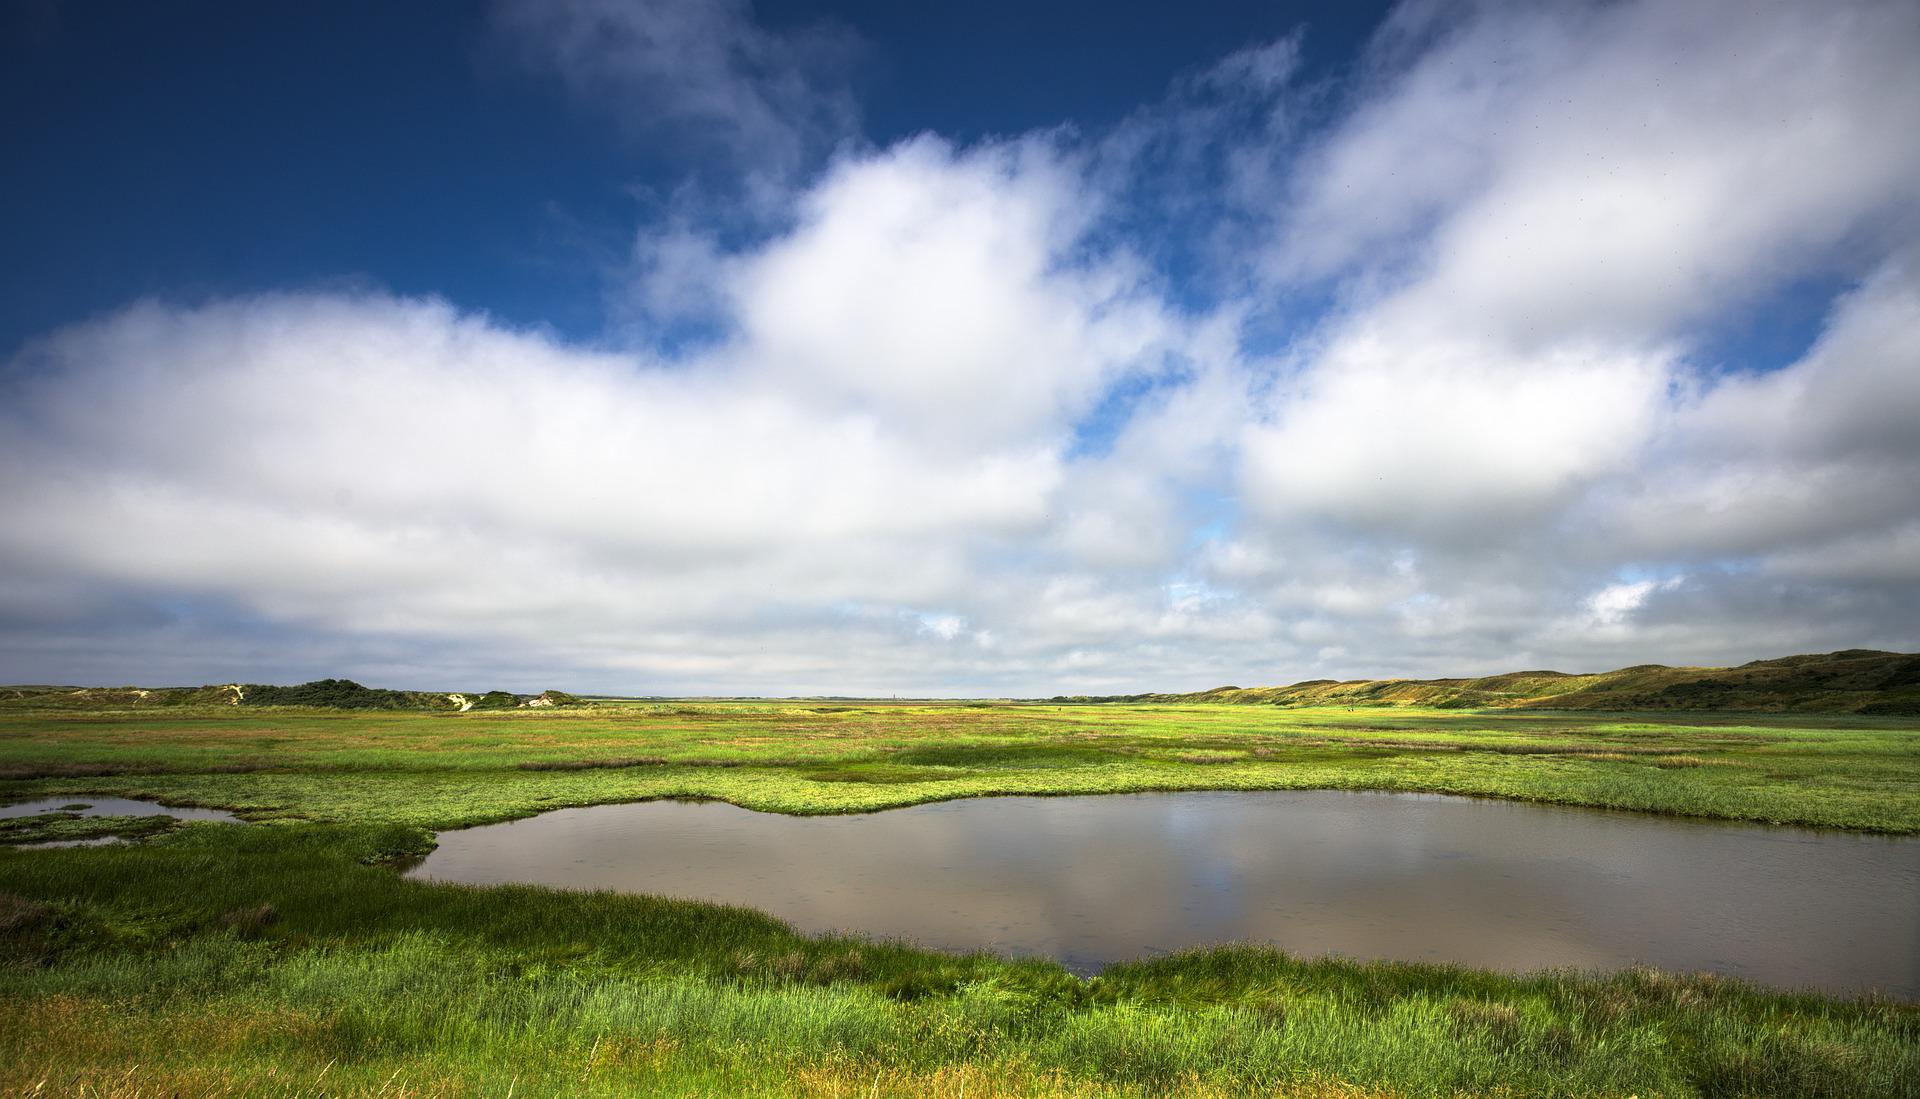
pixel 440 770
pixel 290 959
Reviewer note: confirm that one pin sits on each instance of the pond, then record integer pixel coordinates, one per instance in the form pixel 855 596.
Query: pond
pixel 1091 880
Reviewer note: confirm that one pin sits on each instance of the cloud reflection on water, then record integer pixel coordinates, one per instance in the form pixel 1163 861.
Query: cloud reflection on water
pixel 1093 880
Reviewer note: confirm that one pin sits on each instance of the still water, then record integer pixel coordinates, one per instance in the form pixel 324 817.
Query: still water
pixel 88 806
pixel 106 807
pixel 1099 879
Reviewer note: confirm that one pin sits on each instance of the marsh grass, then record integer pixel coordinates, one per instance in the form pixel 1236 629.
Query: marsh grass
pixel 253 959
pixel 288 958
pixel 67 827
pixel 447 770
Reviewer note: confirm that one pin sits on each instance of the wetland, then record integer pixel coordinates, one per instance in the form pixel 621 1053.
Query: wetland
pixel 872 898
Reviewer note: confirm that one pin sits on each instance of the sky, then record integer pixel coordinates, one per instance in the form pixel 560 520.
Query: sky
pixel 710 347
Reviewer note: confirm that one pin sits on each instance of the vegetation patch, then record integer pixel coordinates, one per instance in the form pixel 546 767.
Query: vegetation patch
pixel 591 764
pixel 1204 758
pixel 882 773
pixel 65 827
pixel 1005 756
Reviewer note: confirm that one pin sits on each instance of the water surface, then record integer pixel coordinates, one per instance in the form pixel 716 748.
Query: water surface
pixel 1097 879
pixel 113 807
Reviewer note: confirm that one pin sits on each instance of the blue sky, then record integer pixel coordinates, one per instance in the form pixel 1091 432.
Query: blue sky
pixel 219 148
pixel 715 347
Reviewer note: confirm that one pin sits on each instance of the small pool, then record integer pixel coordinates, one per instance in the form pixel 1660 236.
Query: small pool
pixel 1097 879
pixel 88 806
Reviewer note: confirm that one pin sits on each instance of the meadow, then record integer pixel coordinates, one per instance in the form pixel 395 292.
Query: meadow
pixel 288 957
pixel 445 770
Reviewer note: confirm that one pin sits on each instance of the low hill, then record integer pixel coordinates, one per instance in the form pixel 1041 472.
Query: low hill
pixel 330 694
pixel 1858 681
pixel 1862 681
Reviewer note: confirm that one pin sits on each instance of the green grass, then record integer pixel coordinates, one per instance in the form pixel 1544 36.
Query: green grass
pixel 69 827
pixel 288 958
pixel 446 770
pixel 254 958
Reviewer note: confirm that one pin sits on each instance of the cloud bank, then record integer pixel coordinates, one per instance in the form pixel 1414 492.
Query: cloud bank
pixel 1440 383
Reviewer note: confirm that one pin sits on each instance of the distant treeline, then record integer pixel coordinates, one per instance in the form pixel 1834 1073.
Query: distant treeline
pixel 331 694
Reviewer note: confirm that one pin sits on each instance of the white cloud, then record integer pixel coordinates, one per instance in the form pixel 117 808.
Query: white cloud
pixel 1823 450
pixel 946 627
pixel 1384 433
pixel 1611 171
pixel 927 287
pixel 1615 603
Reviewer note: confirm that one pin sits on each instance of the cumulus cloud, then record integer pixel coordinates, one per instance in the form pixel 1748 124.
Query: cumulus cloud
pixel 397 468
pixel 1530 210
pixel 1612 170
pixel 928 288
pixel 1812 470
pixel 1401 374
pixel 1528 220
pixel 1382 432
pixel 1615 603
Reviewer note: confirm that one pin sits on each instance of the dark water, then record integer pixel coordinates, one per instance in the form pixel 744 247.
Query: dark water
pixel 1094 880
pixel 113 807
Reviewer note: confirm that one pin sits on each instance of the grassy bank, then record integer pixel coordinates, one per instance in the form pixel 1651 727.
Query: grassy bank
pixel 288 961
pixel 445 770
